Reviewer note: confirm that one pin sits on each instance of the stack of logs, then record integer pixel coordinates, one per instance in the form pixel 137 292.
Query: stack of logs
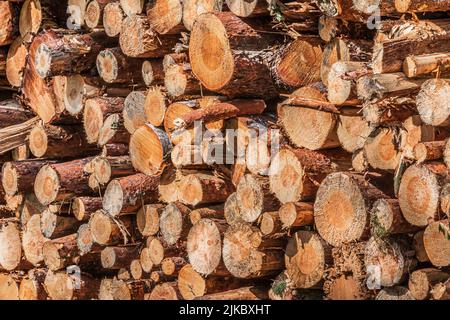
pixel 119 182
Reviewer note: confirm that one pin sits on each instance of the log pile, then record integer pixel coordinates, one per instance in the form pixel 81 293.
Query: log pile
pixel 169 149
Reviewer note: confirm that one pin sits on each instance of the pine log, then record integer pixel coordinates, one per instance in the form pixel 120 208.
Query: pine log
pixel 180 82
pixel 128 194
pixel 139 40
pixel 77 11
pixel 33 240
pixel 107 168
pixel 108 231
pixel 174 223
pixel 116 289
pixel 172 266
pixel 59 142
pixel 113 131
pixel 9 22
pixel 149 147
pixel 381 148
pixel 211 212
pixel 422 281
pixel 133 111
pixel 84 207
pixel 112 19
pixel 352 132
pixel 56 224
pixel 341 207
pixel 295 174
pixel 93 16
pixel 9 286
pixel 415 66
pixel 437 246
pixel 445 200
pixel 165 291
pixel 232 210
pixel 19 176
pixel 419 192
pixel 32 287
pixel 132 7
pixel 294 215
pixel 419 248
pixel 254 197
pixel 309 128
pixel 340 89
pixel 394 293
pixel 119 257
pixel 11 250
pixel 441 291
pixel 147 219
pixel 386 218
pixel 244 293
pixel 64 286
pixel 193 8
pixel 389 110
pixel 389 260
pixel 216 56
pixel 433 102
pixel 247 255
pixel 204 245
pixel 388 56
pixel 153 72
pixel 16 62
pixel 85 240
pixel 196 189
pixel 96 111
pixel 114 67
pixel 427 151
pixel 80 50
pixel 59 181
pixel 307 257
pixel 165 16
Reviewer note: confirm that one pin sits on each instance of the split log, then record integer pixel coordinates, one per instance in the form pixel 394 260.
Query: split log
pixel 81 51
pixel 247 255
pixel 153 72
pixel 389 262
pixel 175 223
pixel 19 176
pixel 297 214
pixel 437 246
pixel 139 40
pixel 114 67
pixel 341 207
pixel 422 281
pixel 112 19
pixel 165 16
pixel 204 245
pixel 387 218
pixel 309 128
pixel 419 192
pixel 230 47
pixel 388 56
pixel 433 102
pixel 307 257
pixel 128 194
pixel 254 197
pixel 149 147
pixel 419 65
pixel 60 181
pixel 196 189
pixel 64 286
pixel 295 174
pixel 96 111
pixel 84 207
pixel 16 62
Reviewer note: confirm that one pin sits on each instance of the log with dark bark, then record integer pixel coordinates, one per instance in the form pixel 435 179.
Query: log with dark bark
pixel 19 176
pixel 84 207
pixel 114 67
pixel 63 286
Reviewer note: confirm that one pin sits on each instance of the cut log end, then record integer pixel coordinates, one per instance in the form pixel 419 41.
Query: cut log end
pixel 112 19
pixel 46 185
